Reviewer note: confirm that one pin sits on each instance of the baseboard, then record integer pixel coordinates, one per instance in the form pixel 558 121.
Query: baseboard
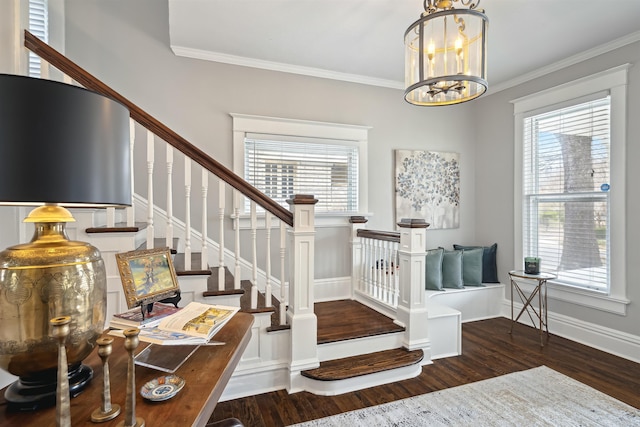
pixel 331 289
pixel 609 340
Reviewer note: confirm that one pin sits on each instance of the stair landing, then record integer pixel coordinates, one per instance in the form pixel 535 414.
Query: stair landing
pixel 347 319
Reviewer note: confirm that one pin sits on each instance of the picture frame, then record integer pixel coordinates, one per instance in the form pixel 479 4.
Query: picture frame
pixel 147 276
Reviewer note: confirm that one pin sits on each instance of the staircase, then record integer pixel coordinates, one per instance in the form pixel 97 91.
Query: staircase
pixel 295 344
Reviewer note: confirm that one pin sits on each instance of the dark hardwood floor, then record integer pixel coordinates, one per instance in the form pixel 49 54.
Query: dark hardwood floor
pixel 488 351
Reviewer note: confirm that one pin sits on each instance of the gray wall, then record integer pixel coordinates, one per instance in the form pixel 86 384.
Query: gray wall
pixel 126 44
pixel 494 177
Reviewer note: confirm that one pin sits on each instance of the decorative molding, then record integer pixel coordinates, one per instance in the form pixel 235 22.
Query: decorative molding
pixel 284 68
pixel 567 62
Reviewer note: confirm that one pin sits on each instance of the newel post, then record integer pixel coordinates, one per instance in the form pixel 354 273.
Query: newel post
pixel 357 222
pixel 300 315
pixel 412 306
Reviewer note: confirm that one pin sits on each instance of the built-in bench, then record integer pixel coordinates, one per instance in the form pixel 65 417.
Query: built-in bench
pixel 449 308
pixel 473 302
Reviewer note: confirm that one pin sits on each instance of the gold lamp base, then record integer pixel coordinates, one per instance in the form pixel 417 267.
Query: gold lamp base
pixel 48 277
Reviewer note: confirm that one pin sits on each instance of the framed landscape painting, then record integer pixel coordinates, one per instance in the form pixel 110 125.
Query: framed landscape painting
pixel 147 276
pixel 427 186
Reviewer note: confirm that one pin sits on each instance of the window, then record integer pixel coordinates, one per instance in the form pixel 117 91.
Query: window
pixel 284 157
pixel 38 26
pixel 282 168
pixel 570 181
pixel 566 192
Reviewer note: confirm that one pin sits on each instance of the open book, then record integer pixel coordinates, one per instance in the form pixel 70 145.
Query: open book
pixel 192 325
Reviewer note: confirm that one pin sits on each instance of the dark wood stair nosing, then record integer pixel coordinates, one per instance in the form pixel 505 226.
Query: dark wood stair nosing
pixel 364 364
pixel 120 227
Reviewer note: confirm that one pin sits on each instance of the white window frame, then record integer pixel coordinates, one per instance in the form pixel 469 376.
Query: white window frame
pixel 614 82
pixel 244 124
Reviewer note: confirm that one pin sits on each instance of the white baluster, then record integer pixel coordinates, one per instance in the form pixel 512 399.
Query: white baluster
pixel 368 266
pixel 150 159
pixel 396 275
pixel 131 218
pixel 169 230
pixel 254 250
pixel 283 294
pixel 267 285
pixel 44 69
pixel 237 272
pixel 204 260
pixel 221 203
pixel 187 224
pixel 378 277
pixel 67 79
pixel 363 265
pixel 111 217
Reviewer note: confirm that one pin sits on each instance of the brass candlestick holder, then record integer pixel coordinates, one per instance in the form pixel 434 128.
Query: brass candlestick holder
pixel 131 342
pixel 107 411
pixel 60 331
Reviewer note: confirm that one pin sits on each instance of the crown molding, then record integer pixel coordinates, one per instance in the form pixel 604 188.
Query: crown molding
pixel 572 60
pixel 285 68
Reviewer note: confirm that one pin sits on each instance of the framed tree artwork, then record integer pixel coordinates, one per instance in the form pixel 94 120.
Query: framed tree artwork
pixel 427 186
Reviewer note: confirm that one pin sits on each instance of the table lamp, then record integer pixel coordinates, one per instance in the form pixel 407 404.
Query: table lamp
pixel 61 146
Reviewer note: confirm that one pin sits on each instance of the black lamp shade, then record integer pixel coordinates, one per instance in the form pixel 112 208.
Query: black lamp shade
pixel 62 144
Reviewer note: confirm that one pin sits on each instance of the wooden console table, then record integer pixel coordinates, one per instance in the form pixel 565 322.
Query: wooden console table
pixel 206 373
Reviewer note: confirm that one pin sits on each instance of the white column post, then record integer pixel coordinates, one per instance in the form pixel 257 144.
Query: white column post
pixel 301 316
pixel 356 222
pixel 412 306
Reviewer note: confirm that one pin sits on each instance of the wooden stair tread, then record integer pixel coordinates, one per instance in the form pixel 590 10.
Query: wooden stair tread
pixel 196 257
pixel 364 364
pixel 363 321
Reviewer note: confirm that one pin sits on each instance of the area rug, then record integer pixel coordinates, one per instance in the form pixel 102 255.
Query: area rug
pixel 536 397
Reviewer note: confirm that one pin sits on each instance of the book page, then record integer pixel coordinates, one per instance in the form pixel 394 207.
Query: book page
pixel 198 319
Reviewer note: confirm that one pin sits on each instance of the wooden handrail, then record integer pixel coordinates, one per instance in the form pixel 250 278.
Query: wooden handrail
pixel 152 124
pixel 389 236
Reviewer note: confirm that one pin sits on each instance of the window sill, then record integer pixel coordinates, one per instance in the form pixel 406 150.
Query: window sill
pixel 583 297
pixel 321 220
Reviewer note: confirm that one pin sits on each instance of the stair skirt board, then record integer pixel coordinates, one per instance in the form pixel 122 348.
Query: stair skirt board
pixel 332 388
pixel 258 380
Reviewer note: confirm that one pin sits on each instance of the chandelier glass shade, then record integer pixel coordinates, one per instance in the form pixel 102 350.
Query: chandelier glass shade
pixel 446 55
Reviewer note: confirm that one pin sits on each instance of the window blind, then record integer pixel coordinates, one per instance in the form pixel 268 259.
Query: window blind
pixel 280 169
pixel 38 26
pixel 566 192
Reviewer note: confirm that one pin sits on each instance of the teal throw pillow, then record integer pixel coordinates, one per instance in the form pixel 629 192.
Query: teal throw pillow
pixel 489 264
pixel 452 269
pixel 433 266
pixel 472 267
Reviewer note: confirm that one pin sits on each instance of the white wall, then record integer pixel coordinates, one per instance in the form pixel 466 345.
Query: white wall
pixel 494 179
pixel 126 44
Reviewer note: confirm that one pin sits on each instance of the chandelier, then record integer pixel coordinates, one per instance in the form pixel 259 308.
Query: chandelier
pixel 446 54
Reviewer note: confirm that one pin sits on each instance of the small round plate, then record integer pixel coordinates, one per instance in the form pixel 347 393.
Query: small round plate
pixel 162 388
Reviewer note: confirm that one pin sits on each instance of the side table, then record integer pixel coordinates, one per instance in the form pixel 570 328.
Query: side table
pixel 540 289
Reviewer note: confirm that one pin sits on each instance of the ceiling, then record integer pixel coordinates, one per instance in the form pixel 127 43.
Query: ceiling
pixel 362 40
